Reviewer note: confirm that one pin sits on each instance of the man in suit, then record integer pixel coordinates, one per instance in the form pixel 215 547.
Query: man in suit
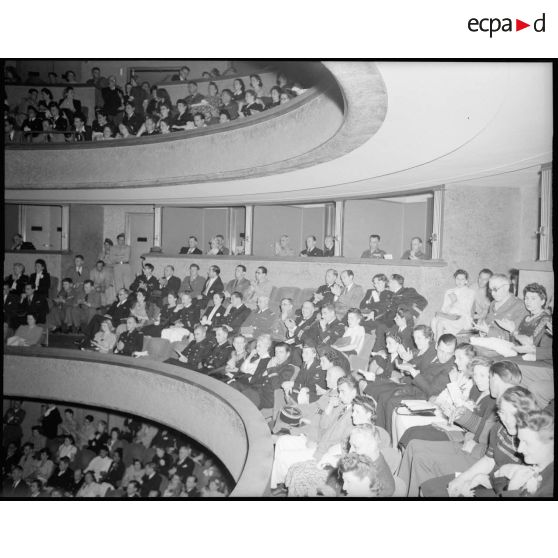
pixel 81 131
pixel 182 75
pixel 311 249
pixel 169 283
pixel 212 285
pixel 19 244
pixel 239 283
pixel 86 304
pixel 192 247
pixel 236 314
pixel 60 317
pixel 185 465
pixel 17 488
pixel 78 272
pixel 118 311
pixel 151 480
pixel 11 135
pixel 349 296
pixel 32 303
pixel 260 287
pixel 62 477
pixel 193 283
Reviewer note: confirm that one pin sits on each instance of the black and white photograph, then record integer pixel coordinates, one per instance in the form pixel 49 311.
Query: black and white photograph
pixel 277 278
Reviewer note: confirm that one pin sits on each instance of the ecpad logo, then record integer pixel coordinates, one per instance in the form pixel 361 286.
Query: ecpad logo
pixel 494 24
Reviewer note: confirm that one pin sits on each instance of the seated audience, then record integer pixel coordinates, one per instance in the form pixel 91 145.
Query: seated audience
pixel 299 329
pixel 329 246
pixel 336 424
pixel 182 320
pixel 18 244
pixel 482 296
pixel 474 414
pixel 144 311
pixel 212 285
pixel 327 329
pixel 375 302
pixel 214 315
pixel 34 303
pixel 196 352
pixel 282 247
pixel 40 278
pixel 193 283
pixel 131 119
pixel 260 287
pixel 416 251
pixel 85 306
pixel 131 340
pixel 220 352
pixel 535 432
pixel 360 476
pixel 457 309
pixel 193 97
pixel 236 314
pixel 530 336
pixel 229 104
pixel 90 487
pixel 311 248
pixel 352 340
pixel 423 460
pixel 261 321
pixel 324 294
pixel 401 296
pixel 348 296
pixel 237 357
pixel 239 283
pixel 62 478
pixel 78 272
pixel 374 250
pixel 505 306
pixel 81 131
pixel 27 335
pixel 428 381
pixel 17 279
pixel 260 387
pixel 168 283
pixel 251 105
pixel 60 316
pixel 302 388
pixel 192 247
pixel 146 281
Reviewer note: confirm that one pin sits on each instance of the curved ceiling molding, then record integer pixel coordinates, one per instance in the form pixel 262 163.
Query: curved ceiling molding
pixel 338 115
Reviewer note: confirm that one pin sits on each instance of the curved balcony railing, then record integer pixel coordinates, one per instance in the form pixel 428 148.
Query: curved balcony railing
pixel 323 123
pixel 212 413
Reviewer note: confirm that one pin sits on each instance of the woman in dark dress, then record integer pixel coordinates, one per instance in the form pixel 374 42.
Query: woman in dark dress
pixel 41 278
pixel 166 315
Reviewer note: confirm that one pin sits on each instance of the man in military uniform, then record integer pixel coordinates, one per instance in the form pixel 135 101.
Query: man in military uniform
pixel 300 329
pixel 328 328
pixel 196 352
pixel 324 293
pixel 221 351
pixel 236 314
pixel 131 340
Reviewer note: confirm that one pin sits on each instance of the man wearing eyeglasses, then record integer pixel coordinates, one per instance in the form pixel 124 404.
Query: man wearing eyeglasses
pixel 504 306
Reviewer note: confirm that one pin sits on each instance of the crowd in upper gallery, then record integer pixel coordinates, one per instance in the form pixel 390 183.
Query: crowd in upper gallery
pixel 138 109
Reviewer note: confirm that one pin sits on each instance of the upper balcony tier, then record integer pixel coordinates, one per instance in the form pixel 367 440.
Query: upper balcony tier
pixel 364 129
pixel 311 128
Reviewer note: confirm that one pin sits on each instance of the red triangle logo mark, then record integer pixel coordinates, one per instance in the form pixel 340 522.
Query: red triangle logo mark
pixel 519 25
